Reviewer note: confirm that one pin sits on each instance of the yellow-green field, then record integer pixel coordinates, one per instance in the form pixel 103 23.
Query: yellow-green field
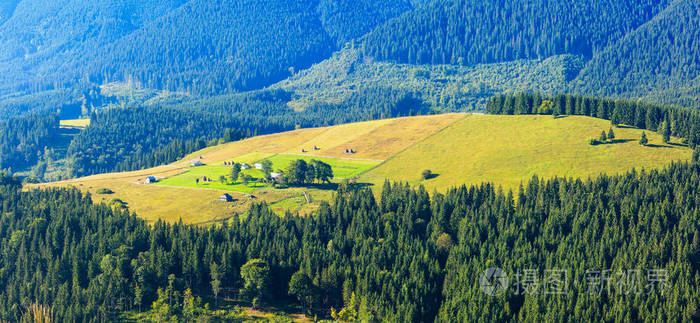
pixel 75 123
pixel 201 204
pixel 509 150
pixel 458 148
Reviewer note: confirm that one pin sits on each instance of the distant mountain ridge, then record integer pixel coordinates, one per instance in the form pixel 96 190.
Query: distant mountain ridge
pixel 201 46
pixel 634 49
pixel 660 61
pixel 52 50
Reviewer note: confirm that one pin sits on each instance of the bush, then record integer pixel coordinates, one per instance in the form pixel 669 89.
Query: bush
pixel 426 174
pixel 104 191
pixel 546 107
pixel 117 203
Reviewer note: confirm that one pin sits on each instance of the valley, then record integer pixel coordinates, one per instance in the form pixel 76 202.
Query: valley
pixel 341 161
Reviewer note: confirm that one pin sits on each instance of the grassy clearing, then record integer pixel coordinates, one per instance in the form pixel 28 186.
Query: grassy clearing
pixel 252 147
pixel 74 123
pixel 508 150
pixel 249 158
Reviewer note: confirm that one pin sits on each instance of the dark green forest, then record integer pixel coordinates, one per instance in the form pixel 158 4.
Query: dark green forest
pixel 409 256
pixel 667 48
pixel 466 32
pixel 24 139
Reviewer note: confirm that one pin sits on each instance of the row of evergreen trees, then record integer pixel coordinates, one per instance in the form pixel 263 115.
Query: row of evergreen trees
pixel 680 122
pixel 301 172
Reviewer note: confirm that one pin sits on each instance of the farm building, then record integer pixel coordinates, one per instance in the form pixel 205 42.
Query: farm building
pixel 258 166
pixel 226 198
pixel 196 162
pixel 275 175
pixel 245 166
pixel 150 179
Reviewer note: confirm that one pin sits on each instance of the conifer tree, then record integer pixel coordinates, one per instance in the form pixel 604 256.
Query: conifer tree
pixel 666 131
pixel 611 134
pixel 235 172
pixel 643 141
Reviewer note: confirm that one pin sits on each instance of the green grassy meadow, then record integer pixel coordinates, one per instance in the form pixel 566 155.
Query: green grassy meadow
pixel 188 179
pixel 342 168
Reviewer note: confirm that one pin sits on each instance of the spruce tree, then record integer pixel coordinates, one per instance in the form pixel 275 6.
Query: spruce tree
pixel 603 137
pixel 643 141
pixel 666 132
pixel 235 172
pixel 611 134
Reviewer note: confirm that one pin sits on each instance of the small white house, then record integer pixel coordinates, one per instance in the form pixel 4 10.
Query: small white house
pixel 275 175
pixel 196 162
pixel 258 166
pixel 245 166
pixel 150 179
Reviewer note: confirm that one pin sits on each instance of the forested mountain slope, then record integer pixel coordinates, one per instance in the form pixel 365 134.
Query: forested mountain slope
pixel 485 31
pixel 6 9
pixel 441 87
pixel 654 61
pixel 41 36
pixel 196 45
pixel 633 49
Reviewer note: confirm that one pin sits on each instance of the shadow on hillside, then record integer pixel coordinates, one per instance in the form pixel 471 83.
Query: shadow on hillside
pixel 677 144
pixel 431 176
pixel 561 116
pixel 658 146
pixel 620 141
pixel 334 186
pixel 624 126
